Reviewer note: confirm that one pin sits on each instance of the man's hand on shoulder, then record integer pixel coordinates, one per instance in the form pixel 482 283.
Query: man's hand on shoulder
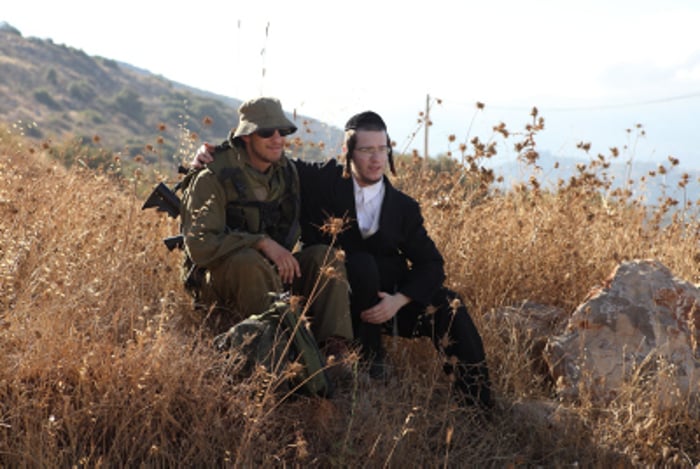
pixel 203 156
pixel 287 265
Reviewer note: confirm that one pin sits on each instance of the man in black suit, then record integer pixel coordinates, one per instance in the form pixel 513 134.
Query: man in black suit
pixel 395 271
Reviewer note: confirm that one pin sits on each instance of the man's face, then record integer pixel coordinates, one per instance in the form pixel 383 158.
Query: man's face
pixel 263 148
pixel 369 157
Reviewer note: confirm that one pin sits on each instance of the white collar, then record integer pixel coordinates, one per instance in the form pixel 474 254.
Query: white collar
pixel 368 205
pixel 370 191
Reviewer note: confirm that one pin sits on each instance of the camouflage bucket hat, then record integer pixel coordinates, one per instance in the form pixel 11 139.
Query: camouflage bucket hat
pixel 261 113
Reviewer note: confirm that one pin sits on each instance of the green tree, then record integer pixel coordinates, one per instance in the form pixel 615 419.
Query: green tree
pixel 82 91
pixel 128 102
pixel 45 98
pixel 52 77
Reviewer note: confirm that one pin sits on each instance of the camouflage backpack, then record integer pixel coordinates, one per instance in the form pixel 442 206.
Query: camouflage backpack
pixel 276 339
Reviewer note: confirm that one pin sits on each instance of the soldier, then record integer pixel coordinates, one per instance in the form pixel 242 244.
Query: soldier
pixel 240 220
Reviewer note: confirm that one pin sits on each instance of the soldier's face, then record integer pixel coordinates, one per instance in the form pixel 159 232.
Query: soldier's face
pixel 263 151
pixel 370 156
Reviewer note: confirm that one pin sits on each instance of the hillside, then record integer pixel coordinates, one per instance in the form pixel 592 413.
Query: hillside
pixel 104 362
pixel 54 92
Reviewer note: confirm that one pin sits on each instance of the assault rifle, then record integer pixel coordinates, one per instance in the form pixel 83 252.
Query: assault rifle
pixel 163 199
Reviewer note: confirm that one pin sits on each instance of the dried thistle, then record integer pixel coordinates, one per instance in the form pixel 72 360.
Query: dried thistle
pixel 296 302
pixel 330 271
pixel 334 225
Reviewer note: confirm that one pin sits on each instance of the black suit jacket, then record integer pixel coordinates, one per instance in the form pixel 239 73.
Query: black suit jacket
pixel 408 259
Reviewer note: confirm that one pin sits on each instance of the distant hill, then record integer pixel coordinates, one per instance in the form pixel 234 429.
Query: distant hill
pixel 651 181
pixel 57 92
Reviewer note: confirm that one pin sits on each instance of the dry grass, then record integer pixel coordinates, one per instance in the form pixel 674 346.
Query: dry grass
pixel 98 367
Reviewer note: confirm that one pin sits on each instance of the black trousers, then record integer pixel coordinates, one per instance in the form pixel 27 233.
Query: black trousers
pixel 446 322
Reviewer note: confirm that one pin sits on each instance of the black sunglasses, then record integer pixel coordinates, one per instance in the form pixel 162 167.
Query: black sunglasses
pixel 267 133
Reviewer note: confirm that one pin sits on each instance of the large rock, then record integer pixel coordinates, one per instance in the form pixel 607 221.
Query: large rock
pixel 642 322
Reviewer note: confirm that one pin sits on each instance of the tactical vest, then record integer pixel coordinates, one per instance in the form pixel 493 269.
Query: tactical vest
pixel 279 219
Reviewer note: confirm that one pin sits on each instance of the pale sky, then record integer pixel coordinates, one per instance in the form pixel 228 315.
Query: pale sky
pixel 592 67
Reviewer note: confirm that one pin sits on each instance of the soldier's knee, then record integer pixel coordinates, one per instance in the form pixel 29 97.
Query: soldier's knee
pixel 314 258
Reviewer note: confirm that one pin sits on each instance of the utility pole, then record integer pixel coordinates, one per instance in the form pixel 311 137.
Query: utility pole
pixel 426 124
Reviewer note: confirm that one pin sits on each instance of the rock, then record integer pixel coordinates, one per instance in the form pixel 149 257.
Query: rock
pixel 641 322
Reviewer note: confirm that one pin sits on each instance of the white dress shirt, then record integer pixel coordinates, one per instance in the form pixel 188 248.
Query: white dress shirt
pixel 368 203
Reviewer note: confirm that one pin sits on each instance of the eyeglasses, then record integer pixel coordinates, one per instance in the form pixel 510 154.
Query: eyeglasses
pixel 367 151
pixel 267 133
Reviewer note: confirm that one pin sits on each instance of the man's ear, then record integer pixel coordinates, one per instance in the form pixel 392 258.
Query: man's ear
pixel 345 154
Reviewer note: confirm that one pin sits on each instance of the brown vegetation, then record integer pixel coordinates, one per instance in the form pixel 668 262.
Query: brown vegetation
pixel 69 93
pixel 98 367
